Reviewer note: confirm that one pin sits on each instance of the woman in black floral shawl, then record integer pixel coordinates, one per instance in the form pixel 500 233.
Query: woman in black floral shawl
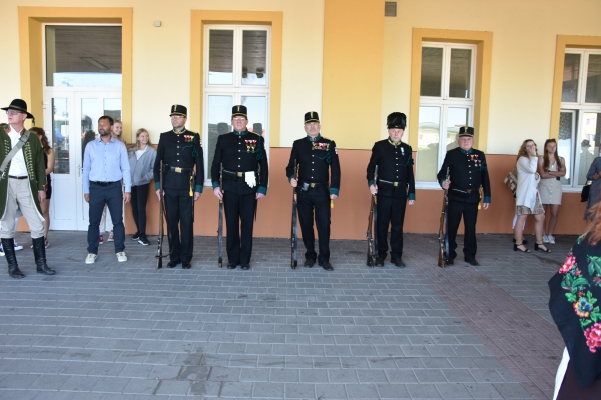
pixel 574 305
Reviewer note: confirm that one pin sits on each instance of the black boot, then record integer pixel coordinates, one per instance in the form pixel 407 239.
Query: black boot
pixel 8 245
pixel 39 253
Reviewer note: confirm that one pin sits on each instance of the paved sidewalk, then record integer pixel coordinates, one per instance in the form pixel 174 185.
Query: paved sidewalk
pixel 128 331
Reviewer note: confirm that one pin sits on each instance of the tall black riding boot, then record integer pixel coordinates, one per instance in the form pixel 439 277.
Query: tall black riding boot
pixel 39 253
pixel 8 245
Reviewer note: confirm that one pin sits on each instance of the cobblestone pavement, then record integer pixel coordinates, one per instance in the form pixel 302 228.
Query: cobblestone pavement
pixel 129 331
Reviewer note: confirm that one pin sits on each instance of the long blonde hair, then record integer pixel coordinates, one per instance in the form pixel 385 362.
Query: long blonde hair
pixel 120 137
pixel 523 152
pixel 138 132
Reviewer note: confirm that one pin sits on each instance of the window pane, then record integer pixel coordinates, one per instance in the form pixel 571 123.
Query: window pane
pixel 571 71
pixel 431 80
pixel 457 118
pixel 219 117
pixel 112 108
pixel 221 51
pixel 427 144
pixel 60 135
pixel 590 132
pixel 83 56
pixel 461 68
pixel 593 79
pixel 564 143
pixel 254 57
pixel 257 113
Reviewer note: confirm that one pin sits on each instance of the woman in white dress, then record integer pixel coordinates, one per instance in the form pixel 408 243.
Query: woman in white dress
pixel 527 199
pixel 551 167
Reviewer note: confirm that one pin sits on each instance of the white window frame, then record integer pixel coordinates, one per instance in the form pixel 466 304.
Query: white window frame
pixel 236 90
pixel 445 102
pixel 578 109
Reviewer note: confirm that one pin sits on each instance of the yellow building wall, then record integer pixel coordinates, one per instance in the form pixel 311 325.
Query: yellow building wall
pixel 161 58
pixel 523 57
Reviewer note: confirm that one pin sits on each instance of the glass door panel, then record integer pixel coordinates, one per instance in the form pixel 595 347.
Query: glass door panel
pixel 60 134
pixel 254 57
pixel 460 73
pixel 567 122
pixel 431 79
pixel 257 113
pixel 590 130
pixel 428 144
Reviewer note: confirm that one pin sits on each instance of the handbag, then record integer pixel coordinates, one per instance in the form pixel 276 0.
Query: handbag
pixel 585 191
pixel 511 181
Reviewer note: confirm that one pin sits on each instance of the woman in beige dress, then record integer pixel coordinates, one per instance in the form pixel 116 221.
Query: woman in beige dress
pixel 551 167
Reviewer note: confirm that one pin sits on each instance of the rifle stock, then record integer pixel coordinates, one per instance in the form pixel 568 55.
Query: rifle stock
pixel 159 255
pixel 443 234
pixel 293 233
pixel 372 240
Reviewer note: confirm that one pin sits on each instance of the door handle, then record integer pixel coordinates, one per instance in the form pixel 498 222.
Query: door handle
pixel 78 170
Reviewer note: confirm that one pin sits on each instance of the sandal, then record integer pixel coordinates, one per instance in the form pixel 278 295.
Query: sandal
pixel 541 247
pixel 516 248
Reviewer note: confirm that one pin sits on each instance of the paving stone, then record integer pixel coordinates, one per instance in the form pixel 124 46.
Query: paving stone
pixel 126 330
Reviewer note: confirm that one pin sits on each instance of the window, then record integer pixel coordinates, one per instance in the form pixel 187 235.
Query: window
pixel 83 55
pixel 580 116
pixel 236 72
pixel 446 103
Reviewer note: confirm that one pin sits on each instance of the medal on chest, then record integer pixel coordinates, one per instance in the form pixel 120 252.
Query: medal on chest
pixel 188 138
pixel 320 146
pixel 250 145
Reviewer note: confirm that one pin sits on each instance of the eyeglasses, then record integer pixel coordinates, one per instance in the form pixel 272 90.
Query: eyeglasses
pixel 238 119
pixel 13 112
pixel 177 116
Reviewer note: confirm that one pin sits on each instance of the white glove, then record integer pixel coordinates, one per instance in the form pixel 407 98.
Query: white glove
pixel 249 178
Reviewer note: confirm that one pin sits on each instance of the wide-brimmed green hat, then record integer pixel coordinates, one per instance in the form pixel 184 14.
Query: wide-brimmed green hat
pixel 19 105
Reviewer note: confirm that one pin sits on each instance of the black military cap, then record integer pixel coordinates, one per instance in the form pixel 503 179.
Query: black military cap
pixel 239 110
pixel 19 105
pixel 311 116
pixel 396 120
pixel 177 109
pixel 466 131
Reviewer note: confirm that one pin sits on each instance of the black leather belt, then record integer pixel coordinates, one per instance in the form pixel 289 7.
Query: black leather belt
pixel 239 174
pixel 18 177
pixel 104 183
pixel 180 170
pixel 467 191
pixel 389 182
pixel 313 184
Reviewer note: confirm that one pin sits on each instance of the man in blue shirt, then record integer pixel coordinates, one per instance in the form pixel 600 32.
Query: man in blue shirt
pixel 105 164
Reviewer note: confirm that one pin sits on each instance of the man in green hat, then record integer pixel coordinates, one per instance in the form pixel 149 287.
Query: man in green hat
pixel 22 179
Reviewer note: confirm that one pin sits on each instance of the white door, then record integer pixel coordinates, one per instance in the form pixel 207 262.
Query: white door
pixel 71 119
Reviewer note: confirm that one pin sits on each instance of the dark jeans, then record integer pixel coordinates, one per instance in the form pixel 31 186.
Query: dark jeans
pixel 112 196
pixel 139 196
pixel 316 203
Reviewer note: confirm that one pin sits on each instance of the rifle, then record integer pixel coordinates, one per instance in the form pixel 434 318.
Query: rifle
pixel 159 256
pixel 220 231
pixel 443 232
pixel 372 220
pixel 293 236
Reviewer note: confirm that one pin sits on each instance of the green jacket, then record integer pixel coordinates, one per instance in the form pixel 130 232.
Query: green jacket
pixel 34 160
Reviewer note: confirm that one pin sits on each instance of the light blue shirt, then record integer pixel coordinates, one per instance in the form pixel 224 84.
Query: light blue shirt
pixel 105 162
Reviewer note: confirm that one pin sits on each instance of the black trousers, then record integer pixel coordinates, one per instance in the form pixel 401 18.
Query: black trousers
pixel 239 218
pixel 315 203
pixel 179 208
pixel 139 196
pixel 469 211
pixel 391 210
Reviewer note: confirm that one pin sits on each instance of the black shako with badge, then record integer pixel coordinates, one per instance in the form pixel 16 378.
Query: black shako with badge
pixel 241 161
pixel 468 173
pixel 181 152
pixel 396 185
pixel 316 157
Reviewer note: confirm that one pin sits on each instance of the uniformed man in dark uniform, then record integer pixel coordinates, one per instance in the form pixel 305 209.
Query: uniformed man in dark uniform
pixel 468 174
pixel 181 151
pixel 394 185
pixel 241 161
pixel 315 156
